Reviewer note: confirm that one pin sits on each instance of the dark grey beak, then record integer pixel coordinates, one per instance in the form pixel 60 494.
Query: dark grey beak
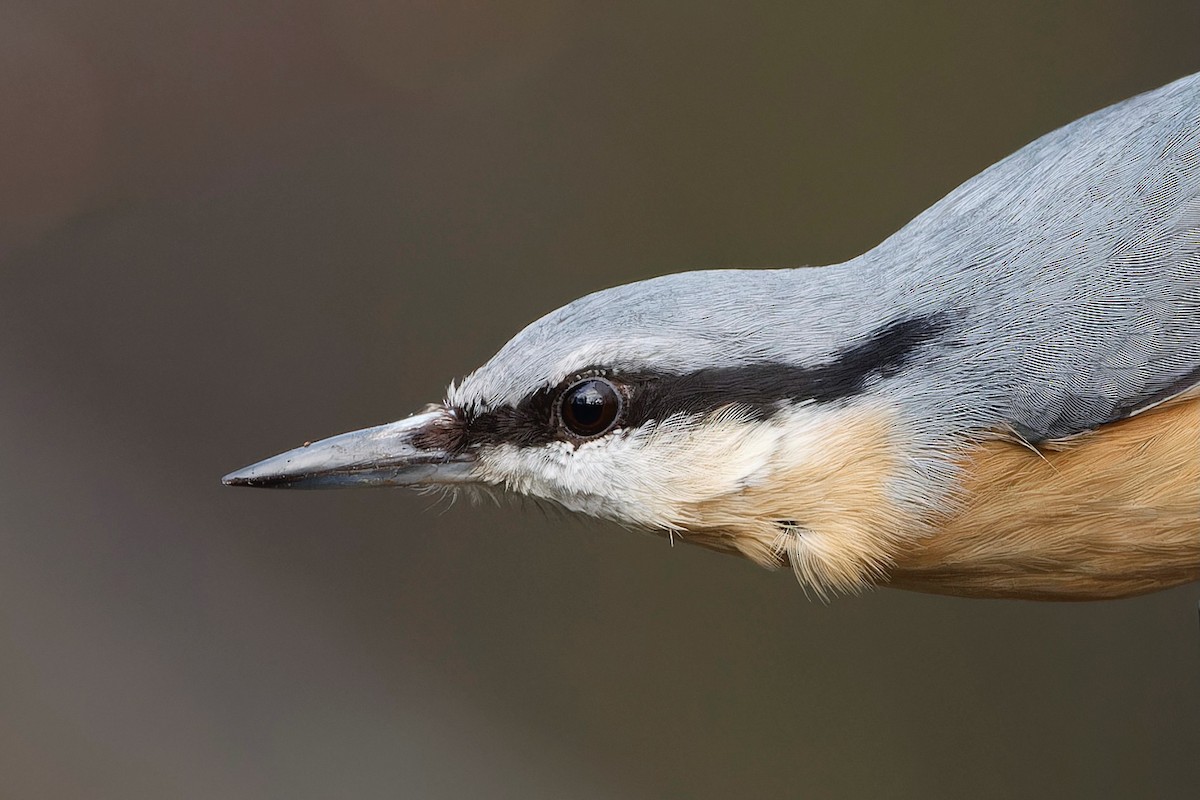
pixel 414 451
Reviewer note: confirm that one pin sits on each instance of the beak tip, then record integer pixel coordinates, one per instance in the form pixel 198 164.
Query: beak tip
pixel 256 477
pixel 276 472
pixel 239 477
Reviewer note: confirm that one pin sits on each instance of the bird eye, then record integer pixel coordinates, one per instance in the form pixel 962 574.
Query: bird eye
pixel 590 407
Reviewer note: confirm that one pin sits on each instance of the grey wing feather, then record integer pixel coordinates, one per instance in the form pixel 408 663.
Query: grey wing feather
pixel 1079 259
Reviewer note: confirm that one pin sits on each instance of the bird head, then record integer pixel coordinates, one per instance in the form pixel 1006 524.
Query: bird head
pixel 680 404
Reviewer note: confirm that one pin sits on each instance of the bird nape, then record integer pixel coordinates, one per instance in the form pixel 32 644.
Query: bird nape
pixel 1000 400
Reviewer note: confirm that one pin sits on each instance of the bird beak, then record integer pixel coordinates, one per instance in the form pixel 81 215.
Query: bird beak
pixel 404 453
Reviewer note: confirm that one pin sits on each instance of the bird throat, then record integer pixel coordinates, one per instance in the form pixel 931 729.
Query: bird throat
pixel 1107 514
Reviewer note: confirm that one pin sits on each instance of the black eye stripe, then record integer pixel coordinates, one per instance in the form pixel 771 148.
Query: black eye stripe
pixel 759 388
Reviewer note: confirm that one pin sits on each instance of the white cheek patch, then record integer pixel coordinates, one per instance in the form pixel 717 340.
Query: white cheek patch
pixel 586 478
pixel 645 476
pixel 811 486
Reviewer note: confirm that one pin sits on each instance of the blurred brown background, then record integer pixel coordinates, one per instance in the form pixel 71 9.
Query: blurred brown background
pixel 227 227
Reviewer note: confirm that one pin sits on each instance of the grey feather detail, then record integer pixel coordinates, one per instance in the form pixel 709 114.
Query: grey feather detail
pixel 1079 258
pixel 1072 269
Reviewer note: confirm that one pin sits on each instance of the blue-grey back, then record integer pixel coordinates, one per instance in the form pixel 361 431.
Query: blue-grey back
pixel 1078 260
pixel 1068 275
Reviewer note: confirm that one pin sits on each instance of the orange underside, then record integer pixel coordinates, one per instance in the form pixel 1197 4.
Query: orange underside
pixel 1111 513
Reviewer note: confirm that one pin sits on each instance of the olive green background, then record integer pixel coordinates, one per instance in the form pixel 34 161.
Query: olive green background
pixel 227 227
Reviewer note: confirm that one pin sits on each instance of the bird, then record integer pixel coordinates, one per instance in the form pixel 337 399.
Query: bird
pixel 1000 400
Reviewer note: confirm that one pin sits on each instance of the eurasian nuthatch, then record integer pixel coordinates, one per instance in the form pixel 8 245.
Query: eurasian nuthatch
pixel 1002 399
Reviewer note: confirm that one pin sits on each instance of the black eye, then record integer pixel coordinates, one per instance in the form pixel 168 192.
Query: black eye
pixel 590 407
